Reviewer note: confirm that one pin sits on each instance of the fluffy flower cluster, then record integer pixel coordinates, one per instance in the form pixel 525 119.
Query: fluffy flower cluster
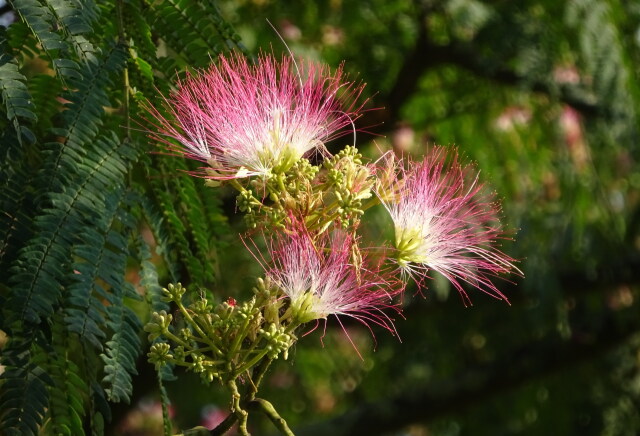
pixel 245 119
pixel 321 279
pixel 446 222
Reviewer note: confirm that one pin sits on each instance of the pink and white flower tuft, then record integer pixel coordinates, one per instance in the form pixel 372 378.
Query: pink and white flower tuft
pixel 443 221
pixel 245 119
pixel 321 280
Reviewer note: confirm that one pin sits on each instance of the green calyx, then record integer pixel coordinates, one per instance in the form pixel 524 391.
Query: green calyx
pixel 303 309
pixel 409 244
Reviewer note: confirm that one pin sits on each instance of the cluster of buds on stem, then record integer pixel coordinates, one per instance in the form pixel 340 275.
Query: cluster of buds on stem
pixel 220 341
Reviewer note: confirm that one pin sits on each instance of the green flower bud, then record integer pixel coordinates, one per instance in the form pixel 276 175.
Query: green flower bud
pixel 173 292
pixel 197 365
pixel 246 201
pixel 159 354
pixel 201 306
pixel 179 354
pixel 159 324
pixel 186 334
pixel 209 374
pixel 224 311
pixel 276 338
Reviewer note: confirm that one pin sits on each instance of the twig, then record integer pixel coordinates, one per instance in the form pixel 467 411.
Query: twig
pixel 267 408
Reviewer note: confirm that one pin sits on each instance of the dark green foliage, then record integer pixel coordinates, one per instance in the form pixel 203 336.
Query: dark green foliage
pixel 68 391
pixel 149 278
pixel 204 34
pixel 24 398
pixel 40 266
pixel 83 118
pixel 187 232
pixel 75 198
pixel 123 348
pixel 75 17
pixel 40 19
pixel 44 91
pixel 95 259
pixel 16 98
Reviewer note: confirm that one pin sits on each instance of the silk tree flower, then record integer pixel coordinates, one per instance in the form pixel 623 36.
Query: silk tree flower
pixel 444 221
pixel 320 280
pixel 244 119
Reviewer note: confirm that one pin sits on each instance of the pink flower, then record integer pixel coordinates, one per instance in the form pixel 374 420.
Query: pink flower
pixel 320 279
pixel 246 119
pixel 444 222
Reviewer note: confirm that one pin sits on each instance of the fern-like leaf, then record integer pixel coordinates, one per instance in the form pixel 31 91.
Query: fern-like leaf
pixel 44 261
pixel 188 30
pixel 83 118
pixel 124 346
pixel 42 23
pixel 149 278
pixel 95 260
pixel 155 218
pixel 16 221
pixel 22 43
pixel 23 398
pixel 69 391
pixel 15 96
pixel 45 90
pixel 75 19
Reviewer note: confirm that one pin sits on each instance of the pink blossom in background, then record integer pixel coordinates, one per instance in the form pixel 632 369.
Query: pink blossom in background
pixel 211 416
pixel 321 280
pixel 444 221
pixel 245 119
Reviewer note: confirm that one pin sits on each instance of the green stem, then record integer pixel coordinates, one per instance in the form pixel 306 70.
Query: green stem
pixel 237 409
pixel 247 353
pixel 202 341
pixel 373 201
pixel 250 363
pixel 267 408
pixel 250 396
pixel 322 223
pixel 258 374
pixel 122 39
pixel 164 400
pixel 210 335
pixel 242 333
pixel 291 327
pixel 236 184
pixel 167 334
pixel 206 339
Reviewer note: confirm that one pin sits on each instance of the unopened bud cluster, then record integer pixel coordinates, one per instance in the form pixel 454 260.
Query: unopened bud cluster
pixel 220 341
pixel 333 192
